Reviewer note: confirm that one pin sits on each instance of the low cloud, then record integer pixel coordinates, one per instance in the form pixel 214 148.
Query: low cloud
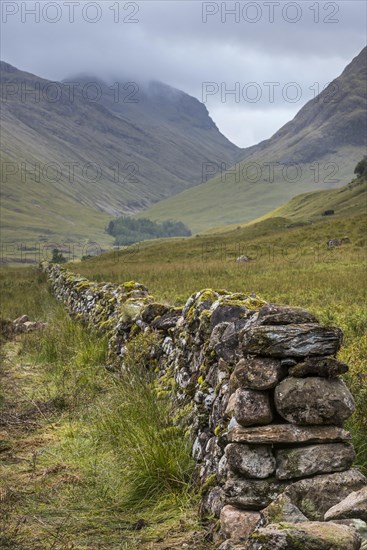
pixel 187 44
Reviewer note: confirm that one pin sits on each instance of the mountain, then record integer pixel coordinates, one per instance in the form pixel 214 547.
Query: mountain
pixel 318 149
pixel 76 153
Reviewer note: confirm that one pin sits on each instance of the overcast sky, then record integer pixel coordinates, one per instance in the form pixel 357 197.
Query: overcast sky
pixel 275 55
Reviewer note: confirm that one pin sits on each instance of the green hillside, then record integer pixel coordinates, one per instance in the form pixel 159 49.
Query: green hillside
pixel 349 200
pixel 69 165
pixel 318 149
pixel 345 201
pixel 285 240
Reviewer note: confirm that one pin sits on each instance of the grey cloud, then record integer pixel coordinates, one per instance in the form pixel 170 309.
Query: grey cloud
pixel 171 43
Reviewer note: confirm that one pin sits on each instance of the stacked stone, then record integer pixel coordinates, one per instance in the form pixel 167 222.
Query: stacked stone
pixel 92 302
pixel 259 389
pixel 267 419
pixel 285 410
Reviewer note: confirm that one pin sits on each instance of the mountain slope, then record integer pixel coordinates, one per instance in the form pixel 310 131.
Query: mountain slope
pixel 349 201
pixel 178 266
pixel 319 148
pixel 140 152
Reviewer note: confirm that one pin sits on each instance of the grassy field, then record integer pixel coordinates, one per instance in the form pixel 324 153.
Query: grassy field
pixel 87 458
pixel 71 476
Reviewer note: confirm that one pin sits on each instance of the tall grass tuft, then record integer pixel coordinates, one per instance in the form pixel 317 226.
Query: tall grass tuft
pixel 74 357
pixel 24 290
pixel 116 420
pixel 137 426
pixel 355 356
pixel 154 455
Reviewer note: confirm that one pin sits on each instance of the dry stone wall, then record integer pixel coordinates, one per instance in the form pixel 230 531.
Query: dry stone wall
pixel 259 389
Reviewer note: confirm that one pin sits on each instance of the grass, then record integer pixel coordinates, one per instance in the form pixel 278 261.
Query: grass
pixel 349 200
pixel 289 265
pixel 90 457
pixel 92 461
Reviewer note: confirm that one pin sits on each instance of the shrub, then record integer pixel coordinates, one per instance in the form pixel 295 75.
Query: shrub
pixel 361 168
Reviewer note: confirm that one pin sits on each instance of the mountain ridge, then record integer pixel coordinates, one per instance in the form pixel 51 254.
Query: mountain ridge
pixel 139 156
pixel 322 144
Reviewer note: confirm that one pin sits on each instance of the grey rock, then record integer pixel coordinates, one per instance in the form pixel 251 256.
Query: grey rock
pixel 200 443
pixel 328 367
pixel 353 506
pixel 222 469
pixel 242 259
pixel 21 320
pixel 224 341
pixel 282 509
pixel 153 310
pixel 310 535
pixel 249 407
pixel 286 433
pixel 212 503
pixel 231 545
pixel 167 321
pixel 227 313
pixel 238 524
pixel 314 400
pixel 359 525
pixel 257 373
pixel 219 406
pixel 314 459
pixel 272 314
pixel 210 462
pixel 338 242
pixel 256 461
pixel 316 495
pixel 212 376
pixel 233 424
pixel 291 340
pixel 251 494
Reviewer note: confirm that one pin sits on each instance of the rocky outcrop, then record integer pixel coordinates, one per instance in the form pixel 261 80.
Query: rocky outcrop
pixel 23 324
pixel 257 386
pixel 9 329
